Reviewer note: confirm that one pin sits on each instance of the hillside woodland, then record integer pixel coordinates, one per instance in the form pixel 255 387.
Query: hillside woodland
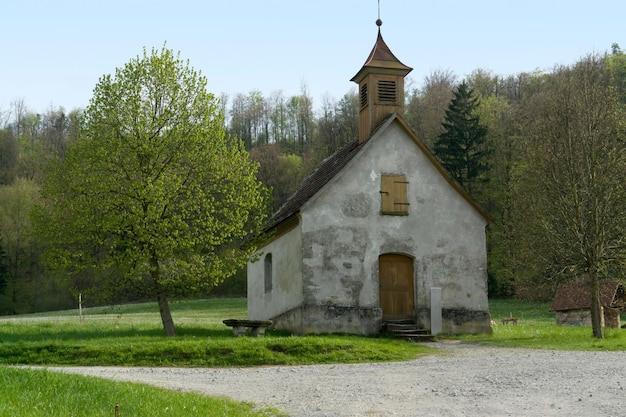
pixel 544 152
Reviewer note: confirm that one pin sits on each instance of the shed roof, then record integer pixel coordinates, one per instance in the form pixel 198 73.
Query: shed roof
pixel 577 296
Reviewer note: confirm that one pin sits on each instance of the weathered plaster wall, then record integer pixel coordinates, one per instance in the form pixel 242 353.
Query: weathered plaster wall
pixel 286 291
pixel 343 234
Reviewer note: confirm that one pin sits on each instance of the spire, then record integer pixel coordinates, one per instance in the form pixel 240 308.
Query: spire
pixel 381 59
pixel 381 85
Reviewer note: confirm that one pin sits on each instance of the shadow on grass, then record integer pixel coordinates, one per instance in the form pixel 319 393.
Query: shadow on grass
pixel 193 346
pixel 42 333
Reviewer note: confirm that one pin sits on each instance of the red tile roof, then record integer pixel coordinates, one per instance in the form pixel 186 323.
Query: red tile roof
pixel 577 296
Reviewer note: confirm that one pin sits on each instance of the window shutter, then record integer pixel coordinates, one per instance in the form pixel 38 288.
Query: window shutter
pixel 386 194
pixel 394 195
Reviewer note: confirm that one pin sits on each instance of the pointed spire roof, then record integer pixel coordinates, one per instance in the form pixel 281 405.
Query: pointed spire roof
pixel 381 59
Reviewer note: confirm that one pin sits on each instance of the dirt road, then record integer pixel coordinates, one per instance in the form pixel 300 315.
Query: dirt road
pixel 464 380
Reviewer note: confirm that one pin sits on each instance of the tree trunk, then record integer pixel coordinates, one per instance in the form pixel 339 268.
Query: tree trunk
pixel 166 315
pixel 596 309
pixel 164 306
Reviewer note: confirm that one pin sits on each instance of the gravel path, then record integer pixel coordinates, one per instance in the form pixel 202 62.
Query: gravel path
pixel 463 380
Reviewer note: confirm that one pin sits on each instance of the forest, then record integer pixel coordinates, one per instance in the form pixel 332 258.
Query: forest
pixel 544 152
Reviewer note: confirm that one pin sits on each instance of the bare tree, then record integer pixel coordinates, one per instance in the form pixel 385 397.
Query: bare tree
pixel 337 125
pixel 277 109
pixel 572 197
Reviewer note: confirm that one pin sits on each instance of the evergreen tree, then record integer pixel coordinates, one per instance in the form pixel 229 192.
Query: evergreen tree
pixel 461 148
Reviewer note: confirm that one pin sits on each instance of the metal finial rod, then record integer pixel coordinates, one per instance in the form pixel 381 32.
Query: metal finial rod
pixel 378 21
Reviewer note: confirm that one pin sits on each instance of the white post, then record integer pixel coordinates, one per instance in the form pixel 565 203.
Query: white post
pixel 436 321
pixel 80 306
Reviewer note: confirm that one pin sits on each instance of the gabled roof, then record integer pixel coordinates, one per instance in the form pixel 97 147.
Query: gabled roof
pixel 577 296
pixel 332 165
pixel 323 173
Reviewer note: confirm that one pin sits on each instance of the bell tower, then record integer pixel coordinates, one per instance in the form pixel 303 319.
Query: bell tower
pixel 381 86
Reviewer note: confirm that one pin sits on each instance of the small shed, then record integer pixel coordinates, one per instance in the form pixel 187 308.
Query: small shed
pixel 572 303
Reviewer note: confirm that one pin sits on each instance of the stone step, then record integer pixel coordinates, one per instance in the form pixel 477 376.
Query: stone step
pixel 407 330
pixel 393 326
pixel 413 330
pixel 417 337
pixel 398 324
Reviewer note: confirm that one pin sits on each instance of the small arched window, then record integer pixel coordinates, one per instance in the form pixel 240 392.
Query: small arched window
pixel 268 272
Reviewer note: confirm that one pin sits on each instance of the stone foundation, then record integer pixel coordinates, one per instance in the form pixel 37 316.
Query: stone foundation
pixel 320 319
pixel 458 321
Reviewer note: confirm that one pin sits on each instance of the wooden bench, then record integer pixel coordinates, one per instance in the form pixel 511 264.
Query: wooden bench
pixel 512 320
pixel 255 327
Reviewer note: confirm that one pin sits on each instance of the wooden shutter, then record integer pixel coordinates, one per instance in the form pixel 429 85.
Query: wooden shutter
pixel 394 195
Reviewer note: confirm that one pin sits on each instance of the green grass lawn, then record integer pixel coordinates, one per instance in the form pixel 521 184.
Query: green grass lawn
pixel 37 393
pixel 132 335
pixel 537 328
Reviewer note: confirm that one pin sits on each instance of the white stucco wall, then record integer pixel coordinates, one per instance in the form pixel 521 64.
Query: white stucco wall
pixel 343 233
pixel 286 291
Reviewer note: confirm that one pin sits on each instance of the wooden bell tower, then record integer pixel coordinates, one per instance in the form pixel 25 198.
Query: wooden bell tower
pixel 381 86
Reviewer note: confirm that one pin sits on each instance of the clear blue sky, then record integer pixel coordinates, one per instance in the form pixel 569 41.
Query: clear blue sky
pixel 53 52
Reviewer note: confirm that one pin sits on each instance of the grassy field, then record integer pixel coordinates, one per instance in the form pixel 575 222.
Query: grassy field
pixel 132 335
pixel 35 393
pixel 536 328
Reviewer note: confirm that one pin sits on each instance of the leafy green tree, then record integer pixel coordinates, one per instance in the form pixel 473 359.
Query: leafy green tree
pixel 8 157
pixel 22 254
pixel 426 107
pixel 617 65
pixel 496 113
pixel 4 270
pixel 152 185
pixel 484 83
pixel 461 147
pixel 570 193
pixel 278 171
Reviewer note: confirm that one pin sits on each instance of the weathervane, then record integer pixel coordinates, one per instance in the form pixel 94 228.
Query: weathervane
pixel 379 22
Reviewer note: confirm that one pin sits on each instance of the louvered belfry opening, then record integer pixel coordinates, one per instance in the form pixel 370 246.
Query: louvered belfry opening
pixel 381 87
pixel 387 91
pixel 363 96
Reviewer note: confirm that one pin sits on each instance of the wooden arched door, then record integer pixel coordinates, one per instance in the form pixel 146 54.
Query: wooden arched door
pixel 396 286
